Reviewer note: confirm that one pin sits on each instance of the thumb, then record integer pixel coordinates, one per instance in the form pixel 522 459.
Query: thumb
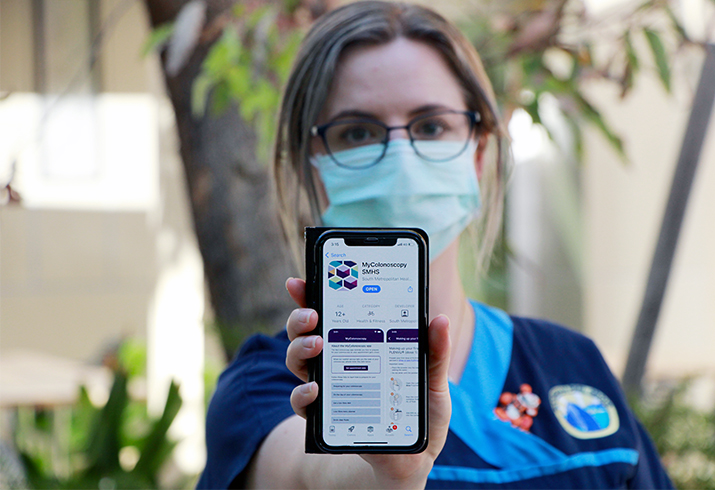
pixel 439 353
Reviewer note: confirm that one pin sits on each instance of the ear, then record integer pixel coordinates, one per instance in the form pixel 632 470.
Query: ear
pixel 479 156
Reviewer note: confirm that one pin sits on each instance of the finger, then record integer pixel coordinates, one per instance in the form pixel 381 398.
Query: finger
pixel 299 351
pixel 302 396
pixel 300 322
pixel 440 404
pixel 439 352
pixel 296 290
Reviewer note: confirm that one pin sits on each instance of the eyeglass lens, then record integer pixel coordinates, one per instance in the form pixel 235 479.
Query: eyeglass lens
pixel 449 127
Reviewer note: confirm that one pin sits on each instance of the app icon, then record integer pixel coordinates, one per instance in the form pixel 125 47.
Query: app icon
pixel 343 275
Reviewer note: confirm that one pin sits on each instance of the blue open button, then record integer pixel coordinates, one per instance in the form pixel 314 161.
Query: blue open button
pixel 371 288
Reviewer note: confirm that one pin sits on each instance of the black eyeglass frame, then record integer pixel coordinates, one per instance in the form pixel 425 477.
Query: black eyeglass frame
pixel 474 119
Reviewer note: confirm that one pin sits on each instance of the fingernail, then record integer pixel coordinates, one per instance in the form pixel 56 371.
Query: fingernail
pixel 304 316
pixel 307 388
pixel 309 342
pixel 289 280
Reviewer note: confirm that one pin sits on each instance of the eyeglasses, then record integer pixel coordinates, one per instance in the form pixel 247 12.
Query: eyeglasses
pixel 448 126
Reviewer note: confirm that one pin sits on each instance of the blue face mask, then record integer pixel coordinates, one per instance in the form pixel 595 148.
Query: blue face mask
pixel 403 190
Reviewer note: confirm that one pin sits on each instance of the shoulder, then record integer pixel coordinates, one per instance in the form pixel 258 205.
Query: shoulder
pixel 261 360
pixel 257 370
pixel 252 397
pixel 560 356
pixel 536 340
pixel 547 340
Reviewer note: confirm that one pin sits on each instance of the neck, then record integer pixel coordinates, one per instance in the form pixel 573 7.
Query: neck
pixel 447 297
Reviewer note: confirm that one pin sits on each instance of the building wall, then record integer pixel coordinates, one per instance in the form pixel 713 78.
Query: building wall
pixel 78 268
pixel 624 205
pixel 74 282
pixel 102 247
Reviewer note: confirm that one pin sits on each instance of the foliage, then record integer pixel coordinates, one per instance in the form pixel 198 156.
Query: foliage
pixel 158 38
pixel 248 65
pixel 548 47
pixel 683 435
pixel 116 446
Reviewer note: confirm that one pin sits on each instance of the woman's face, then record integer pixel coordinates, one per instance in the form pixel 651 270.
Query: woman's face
pixel 392 83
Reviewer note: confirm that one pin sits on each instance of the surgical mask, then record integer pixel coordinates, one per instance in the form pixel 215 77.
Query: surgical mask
pixel 403 190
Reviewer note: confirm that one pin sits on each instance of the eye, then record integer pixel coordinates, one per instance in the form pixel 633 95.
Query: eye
pixel 429 128
pixel 357 134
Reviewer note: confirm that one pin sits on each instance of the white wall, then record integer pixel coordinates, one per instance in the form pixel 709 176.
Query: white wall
pixel 624 204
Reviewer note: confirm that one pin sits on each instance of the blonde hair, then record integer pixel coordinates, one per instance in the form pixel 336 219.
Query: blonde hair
pixel 375 23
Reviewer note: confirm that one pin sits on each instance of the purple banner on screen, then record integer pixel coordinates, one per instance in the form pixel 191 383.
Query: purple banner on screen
pixel 403 335
pixel 356 335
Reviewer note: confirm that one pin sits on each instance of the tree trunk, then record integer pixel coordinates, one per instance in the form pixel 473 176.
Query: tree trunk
pixel 234 212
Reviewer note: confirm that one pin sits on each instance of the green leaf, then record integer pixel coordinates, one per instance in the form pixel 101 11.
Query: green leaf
pixel 631 57
pixel 661 58
pixel 103 450
pixel 632 65
pixel 156 447
pixel 199 93
pixel 291 6
pixel 533 110
pixel 257 15
pixel 282 60
pixel 238 79
pixel 83 413
pixel 239 10
pixel 136 423
pixel 224 53
pixel 532 65
pixel 594 117
pixel 676 23
pixel 577 136
pixel 158 38
pixel 36 477
pixel 220 98
pixel 132 357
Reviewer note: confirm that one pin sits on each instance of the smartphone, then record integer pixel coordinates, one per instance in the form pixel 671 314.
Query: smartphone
pixel 369 287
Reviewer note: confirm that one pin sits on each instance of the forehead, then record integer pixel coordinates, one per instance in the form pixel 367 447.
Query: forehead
pixel 391 80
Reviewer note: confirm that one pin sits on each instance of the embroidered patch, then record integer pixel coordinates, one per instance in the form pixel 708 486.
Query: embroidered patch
pixel 584 412
pixel 519 409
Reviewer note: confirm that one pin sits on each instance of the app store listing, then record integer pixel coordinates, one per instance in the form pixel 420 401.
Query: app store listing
pixel 370 358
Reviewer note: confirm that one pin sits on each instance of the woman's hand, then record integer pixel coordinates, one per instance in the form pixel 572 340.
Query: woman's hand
pixel 394 471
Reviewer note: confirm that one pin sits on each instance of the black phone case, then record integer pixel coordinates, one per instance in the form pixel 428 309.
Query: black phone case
pixel 312 432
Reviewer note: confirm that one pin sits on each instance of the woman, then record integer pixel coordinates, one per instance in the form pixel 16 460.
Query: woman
pixel 375 91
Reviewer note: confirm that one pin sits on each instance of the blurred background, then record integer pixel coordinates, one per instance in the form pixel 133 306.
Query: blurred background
pixel 139 244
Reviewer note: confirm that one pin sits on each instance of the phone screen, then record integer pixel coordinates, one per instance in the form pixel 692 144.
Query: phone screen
pixel 371 377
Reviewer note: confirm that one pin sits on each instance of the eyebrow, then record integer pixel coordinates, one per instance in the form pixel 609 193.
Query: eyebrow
pixel 369 115
pixel 429 108
pixel 352 113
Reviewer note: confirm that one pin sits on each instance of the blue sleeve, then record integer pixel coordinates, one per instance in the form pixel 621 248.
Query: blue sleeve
pixel 251 398
pixel 650 472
